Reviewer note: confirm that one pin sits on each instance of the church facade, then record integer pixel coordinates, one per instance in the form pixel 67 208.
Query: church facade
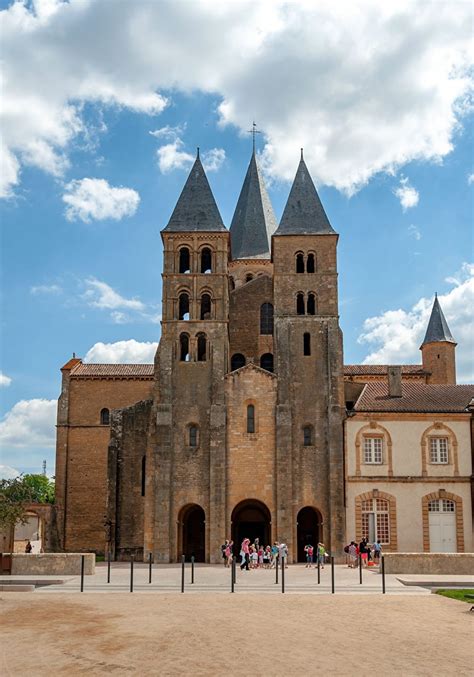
pixel 248 423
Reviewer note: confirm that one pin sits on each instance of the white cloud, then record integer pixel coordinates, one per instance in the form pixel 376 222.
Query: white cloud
pixel 470 179
pixel 408 196
pixel 7 472
pixel 46 289
pixel 101 295
pixel 96 199
pixel 213 159
pixel 29 423
pixel 172 156
pixel 396 335
pixel 399 97
pixel 4 380
pixel 169 132
pixel 131 352
pixel 414 232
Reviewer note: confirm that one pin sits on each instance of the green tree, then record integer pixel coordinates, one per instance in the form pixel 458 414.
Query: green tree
pixel 42 488
pixel 16 493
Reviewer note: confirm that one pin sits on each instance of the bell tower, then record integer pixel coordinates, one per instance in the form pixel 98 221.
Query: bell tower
pixel 189 410
pixel 309 364
pixel 438 349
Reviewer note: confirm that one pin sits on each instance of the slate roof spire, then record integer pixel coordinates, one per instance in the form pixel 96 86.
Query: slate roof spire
pixel 196 208
pixel 304 214
pixel 438 329
pixel 253 223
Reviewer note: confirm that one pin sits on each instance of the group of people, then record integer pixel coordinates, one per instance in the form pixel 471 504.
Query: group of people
pixel 317 556
pixel 366 551
pixel 255 555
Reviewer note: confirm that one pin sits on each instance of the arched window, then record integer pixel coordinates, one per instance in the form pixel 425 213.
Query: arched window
pixel 143 474
pixel 248 277
pixel 311 304
pixel 250 418
pixel 376 520
pixel 193 435
pixel 299 262
pixel 266 362
pixel 201 347
pixel 300 304
pixel 206 260
pixel 183 309
pixel 310 264
pixel 104 417
pixel 308 435
pixel 266 318
pixel 184 355
pixel 205 307
pixel 237 361
pixel 306 343
pixel 184 260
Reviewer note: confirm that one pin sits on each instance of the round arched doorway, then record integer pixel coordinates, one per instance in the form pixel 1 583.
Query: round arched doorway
pixel 250 519
pixel 309 530
pixel 192 533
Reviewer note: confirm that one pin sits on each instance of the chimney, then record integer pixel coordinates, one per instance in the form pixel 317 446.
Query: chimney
pixel 395 381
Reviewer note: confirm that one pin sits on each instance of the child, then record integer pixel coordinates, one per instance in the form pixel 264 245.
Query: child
pixel 254 558
pixel 260 556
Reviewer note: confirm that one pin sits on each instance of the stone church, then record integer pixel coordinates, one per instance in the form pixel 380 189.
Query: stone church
pixel 240 427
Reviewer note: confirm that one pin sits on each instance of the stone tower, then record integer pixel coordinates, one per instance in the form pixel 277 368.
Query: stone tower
pixel 309 364
pixel 190 364
pixel 438 349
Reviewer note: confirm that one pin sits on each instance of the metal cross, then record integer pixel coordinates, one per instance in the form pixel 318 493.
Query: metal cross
pixel 254 131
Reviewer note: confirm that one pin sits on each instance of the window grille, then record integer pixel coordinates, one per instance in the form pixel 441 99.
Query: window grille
pixel 376 520
pixel 441 505
pixel 439 449
pixel 266 318
pixel 373 450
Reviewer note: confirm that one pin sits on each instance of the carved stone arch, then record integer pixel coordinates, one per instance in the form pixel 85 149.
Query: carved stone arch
pixel 441 430
pixel 457 500
pixel 392 515
pixel 374 428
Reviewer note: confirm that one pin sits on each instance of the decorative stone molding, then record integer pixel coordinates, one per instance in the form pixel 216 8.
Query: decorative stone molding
pixel 457 500
pixel 392 516
pixel 375 429
pixel 441 429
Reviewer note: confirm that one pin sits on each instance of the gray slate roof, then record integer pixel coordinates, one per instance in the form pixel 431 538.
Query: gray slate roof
pixel 438 329
pixel 253 222
pixel 196 208
pixel 304 214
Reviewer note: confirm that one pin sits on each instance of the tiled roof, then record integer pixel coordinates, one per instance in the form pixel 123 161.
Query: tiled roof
pixel 416 397
pixel 253 223
pixel 379 369
pixel 196 208
pixel 304 214
pixel 113 370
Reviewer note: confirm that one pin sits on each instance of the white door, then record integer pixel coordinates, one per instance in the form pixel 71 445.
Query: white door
pixel 442 531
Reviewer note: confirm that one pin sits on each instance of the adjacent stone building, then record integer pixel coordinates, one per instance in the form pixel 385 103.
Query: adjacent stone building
pixel 248 424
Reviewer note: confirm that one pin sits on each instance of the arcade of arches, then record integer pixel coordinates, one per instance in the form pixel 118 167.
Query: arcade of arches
pixel 250 519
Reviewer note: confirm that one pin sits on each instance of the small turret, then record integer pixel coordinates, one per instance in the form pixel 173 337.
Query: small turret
pixel 438 349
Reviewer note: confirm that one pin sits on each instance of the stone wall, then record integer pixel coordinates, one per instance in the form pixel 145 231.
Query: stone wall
pixel 52 564
pixel 429 563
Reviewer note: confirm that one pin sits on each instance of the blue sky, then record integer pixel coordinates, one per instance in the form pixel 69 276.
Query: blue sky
pixel 396 187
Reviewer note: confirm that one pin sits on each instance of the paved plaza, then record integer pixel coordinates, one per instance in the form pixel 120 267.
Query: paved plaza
pixel 208 578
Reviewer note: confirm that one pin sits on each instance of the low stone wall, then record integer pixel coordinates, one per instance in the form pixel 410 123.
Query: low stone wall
pixel 429 563
pixel 52 563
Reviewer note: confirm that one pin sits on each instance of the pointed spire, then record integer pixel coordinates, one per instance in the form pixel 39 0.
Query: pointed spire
pixel 196 208
pixel 254 222
pixel 304 214
pixel 438 329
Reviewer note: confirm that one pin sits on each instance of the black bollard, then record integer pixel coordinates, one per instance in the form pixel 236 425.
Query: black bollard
pixel 232 580
pixel 150 562
pixel 234 569
pixel 182 573
pixel 82 572
pixel 192 569
pixel 108 567
pixel 319 571
pixel 383 575
pixel 277 564
pixel 131 572
pixel 332 575
pixel 283 574
pixel 360 569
